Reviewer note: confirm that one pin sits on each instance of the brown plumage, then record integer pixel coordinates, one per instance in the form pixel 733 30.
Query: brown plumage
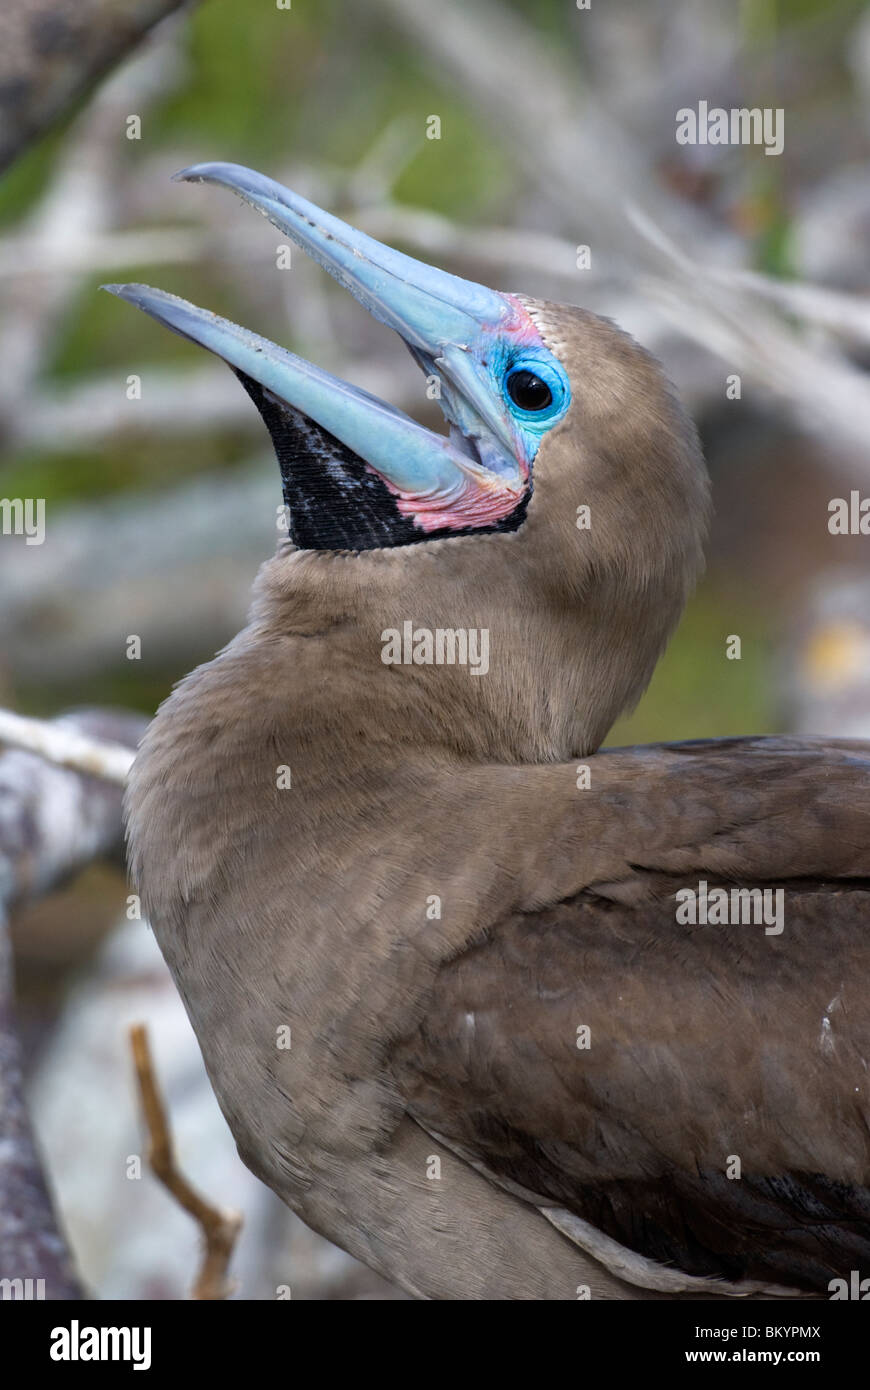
pixel 455 1036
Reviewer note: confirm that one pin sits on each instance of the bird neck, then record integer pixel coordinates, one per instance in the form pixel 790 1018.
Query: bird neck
pixel 456 658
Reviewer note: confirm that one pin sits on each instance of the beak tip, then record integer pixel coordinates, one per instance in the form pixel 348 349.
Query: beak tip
pixel 133 294
pixel 214 171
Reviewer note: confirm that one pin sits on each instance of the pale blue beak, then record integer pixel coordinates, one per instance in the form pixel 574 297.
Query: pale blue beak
pixel 406 455
pixel 476 476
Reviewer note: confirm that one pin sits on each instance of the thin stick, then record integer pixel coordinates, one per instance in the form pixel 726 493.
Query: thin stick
pixel 66 746
pixel 220 1227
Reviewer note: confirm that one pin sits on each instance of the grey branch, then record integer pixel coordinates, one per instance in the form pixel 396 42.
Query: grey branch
pixel 52 822
pixel 66 747
pixel 51 51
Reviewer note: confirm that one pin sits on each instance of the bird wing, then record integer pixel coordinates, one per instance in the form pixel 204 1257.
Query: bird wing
pixel 691 1098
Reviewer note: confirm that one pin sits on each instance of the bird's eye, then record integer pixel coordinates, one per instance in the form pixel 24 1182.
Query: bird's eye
pixel 528 391
pixel 536 392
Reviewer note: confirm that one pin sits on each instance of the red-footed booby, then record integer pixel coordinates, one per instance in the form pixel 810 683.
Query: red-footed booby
pixel 504 1016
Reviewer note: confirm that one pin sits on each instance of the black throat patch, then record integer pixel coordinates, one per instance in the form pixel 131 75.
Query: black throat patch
pixel 335 501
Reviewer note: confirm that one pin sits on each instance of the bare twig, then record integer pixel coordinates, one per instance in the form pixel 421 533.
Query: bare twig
pixel 506 251
pixel 32 1247
pixel 847 315
pixel 100 252
pixel 822 391
pixel 66 747
pixel 52 50
pixel 220 1228
pixel 52 822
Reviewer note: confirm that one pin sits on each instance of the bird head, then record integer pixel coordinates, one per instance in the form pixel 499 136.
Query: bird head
pixel 563 511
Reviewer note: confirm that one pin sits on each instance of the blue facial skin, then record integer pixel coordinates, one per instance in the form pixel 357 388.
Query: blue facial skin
pixel 530 425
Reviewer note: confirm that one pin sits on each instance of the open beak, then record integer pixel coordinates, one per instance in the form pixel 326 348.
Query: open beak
pixel 476 477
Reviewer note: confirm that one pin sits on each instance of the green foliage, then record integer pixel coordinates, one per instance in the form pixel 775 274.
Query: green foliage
pixel 22 184
pixel 696 691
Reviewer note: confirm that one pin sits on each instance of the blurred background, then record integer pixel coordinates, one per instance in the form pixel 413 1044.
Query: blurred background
pixel 557 131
